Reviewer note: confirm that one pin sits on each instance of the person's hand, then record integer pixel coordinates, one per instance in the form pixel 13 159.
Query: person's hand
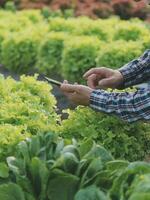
pixel 103 78
pixel 78 94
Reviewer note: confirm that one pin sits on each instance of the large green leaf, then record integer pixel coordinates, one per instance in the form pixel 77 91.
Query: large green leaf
pixel 99 151
pixel 140 185
pixel 23 150
pixel 90 193
pixel 71 149
pixel 94 167
pixel 16 165
pixel 29 197
pixel 34 146
pixel 138 167
pixel 140 196
pixel 126 178
pixel 4 170
pixel 62 186
pixel 68 162
pixel 11 191
pixel 85 147
pixel 39 177
pixel 117 165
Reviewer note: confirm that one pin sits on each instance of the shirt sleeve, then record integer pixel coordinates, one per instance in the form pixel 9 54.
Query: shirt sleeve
pixel 128 106
pixel 137 71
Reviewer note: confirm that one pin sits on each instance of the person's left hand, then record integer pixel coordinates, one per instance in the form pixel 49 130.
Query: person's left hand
pixel 78 94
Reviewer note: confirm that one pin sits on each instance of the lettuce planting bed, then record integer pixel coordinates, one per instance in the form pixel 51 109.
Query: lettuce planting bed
pixel 86 156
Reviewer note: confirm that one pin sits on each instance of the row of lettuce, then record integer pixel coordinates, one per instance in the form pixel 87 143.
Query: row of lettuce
pixel 46 168
pixel 29 108
pixel 68 46
pixel 43 157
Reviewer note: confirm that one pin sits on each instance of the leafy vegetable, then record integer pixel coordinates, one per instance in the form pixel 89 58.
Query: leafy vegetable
pixel 11 191
pixel 22 47
pixel 26 108
pixel 4 171
pixel 90 193
pixel 114 134
pixel 45 168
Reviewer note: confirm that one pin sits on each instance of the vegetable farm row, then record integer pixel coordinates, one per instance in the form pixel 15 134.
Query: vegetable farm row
pixel 89 155
pixel 68 46
pixel 45 158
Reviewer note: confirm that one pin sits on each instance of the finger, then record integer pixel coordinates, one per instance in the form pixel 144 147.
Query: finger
pixel 71 96
pixel 92 71
pixel 92 81
pixel 68 94
pixel 65 81
pixel 69 88
pixel 105 83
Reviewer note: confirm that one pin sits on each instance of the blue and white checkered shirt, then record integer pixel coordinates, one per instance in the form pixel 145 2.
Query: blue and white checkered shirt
pixel 130 106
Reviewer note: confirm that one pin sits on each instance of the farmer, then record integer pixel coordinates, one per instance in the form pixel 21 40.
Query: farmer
pixel 130 106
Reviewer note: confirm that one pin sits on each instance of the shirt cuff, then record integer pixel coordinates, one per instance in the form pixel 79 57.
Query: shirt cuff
pixel 97 99
pixel 125 75
pixel 92 99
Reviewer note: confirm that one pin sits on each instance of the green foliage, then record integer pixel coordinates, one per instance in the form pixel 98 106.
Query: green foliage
pixel 61 25
pixel 11 191
pixel 39 168
pixel 132 182
pixel 17 22
pixel 131 31
pixel 78 56
pixel 48 13
pixel 19 53
pixel 117 54
pixel 90 27
pixel 50 53
pixel 140 187
pixel 68 13
pixel 27 107
pixel 4 171
pixel 90 193
pixel 41 164
pixel 10 6
pixel 3 35
pixel 146 42
pixel 10 136
pixel 38 171
pixel 29 30
pixel 33 15
pixel 123 140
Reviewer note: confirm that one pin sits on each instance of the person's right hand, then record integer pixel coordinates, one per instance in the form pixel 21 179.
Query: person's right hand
pixel 103 78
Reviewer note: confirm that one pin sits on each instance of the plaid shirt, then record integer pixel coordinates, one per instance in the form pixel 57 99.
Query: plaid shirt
pixel 130 106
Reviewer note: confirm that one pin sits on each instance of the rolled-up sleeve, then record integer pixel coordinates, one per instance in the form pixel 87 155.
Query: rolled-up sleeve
pixel 136 71
pixel 128 106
